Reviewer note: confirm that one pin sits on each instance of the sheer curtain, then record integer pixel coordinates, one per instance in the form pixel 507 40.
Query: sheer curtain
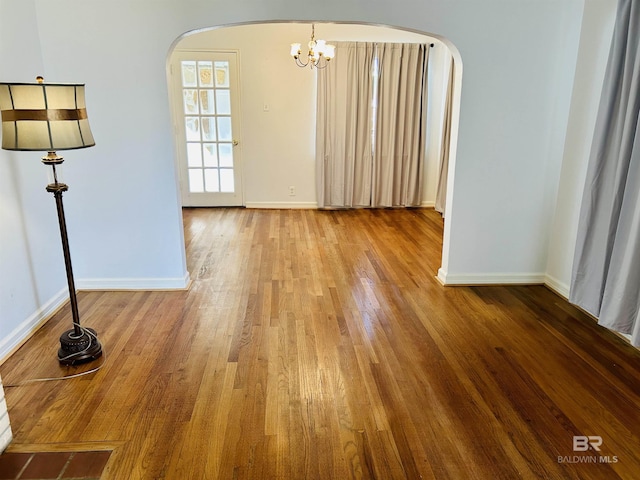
pixel 344 126
pixel 370 131
pixel 606 272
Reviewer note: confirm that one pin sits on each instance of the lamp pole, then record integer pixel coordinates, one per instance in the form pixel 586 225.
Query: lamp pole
pixel 78 345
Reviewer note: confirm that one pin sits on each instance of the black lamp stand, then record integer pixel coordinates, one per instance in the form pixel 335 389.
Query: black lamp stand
pixel 80 344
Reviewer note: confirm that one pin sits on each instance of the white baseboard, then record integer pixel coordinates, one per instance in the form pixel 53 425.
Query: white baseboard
pixel 23 332
pixel 306 205
pixel 557 286
pixel 551 282
pixel 178 283
pixel 491 278
pixel 282 205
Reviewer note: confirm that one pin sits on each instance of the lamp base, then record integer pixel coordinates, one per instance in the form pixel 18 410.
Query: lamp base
pixel 76 350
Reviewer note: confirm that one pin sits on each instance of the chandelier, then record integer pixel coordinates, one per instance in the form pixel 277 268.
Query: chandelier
pixel 318 49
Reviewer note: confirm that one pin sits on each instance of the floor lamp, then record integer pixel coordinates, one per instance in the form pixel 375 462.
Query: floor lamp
pixel 48 117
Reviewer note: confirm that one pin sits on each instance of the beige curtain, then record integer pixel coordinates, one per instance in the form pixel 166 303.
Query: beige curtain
pixel 400 129
pixel 370 131
pixel 343 127
pixel 441 191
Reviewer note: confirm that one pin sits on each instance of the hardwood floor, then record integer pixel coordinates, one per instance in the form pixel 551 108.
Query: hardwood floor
pixel 319 345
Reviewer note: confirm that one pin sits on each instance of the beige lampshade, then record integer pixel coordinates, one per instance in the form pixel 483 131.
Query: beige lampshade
pixel 44 117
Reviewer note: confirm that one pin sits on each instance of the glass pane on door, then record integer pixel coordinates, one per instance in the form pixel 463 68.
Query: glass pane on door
pixel 196 184
pixel 226 180
pixel 206 91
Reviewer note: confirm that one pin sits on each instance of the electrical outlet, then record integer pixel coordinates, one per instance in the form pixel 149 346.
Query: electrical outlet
pixel 292 191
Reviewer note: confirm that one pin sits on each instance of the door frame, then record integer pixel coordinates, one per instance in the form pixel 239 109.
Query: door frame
pixel 179 134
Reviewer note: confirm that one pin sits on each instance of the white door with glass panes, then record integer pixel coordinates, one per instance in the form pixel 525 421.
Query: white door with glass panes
pixel 206 108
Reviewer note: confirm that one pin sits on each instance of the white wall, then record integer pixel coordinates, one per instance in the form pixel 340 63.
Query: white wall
pixel 123 217
pixel 32 278
pixel 278 146
pixel 124 221
pixel 595 39
pixel 518 78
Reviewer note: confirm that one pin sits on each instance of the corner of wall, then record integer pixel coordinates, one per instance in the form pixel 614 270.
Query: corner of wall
pixel 595 39
pixel 558 286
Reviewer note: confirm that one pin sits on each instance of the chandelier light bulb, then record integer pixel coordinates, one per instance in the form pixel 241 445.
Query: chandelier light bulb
pixel 329 51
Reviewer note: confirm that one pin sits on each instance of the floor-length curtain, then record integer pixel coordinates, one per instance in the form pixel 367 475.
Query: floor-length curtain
pixel 400 130
pixel 441 190
pixel 606 272
pixel 343 127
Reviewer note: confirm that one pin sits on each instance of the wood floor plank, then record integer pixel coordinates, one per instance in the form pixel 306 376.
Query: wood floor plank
pixel 319 345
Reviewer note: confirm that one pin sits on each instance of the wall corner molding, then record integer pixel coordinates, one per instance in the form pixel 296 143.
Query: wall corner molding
pixel 557 286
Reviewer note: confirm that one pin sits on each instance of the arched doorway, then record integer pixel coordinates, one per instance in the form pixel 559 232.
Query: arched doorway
pixel 277 113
